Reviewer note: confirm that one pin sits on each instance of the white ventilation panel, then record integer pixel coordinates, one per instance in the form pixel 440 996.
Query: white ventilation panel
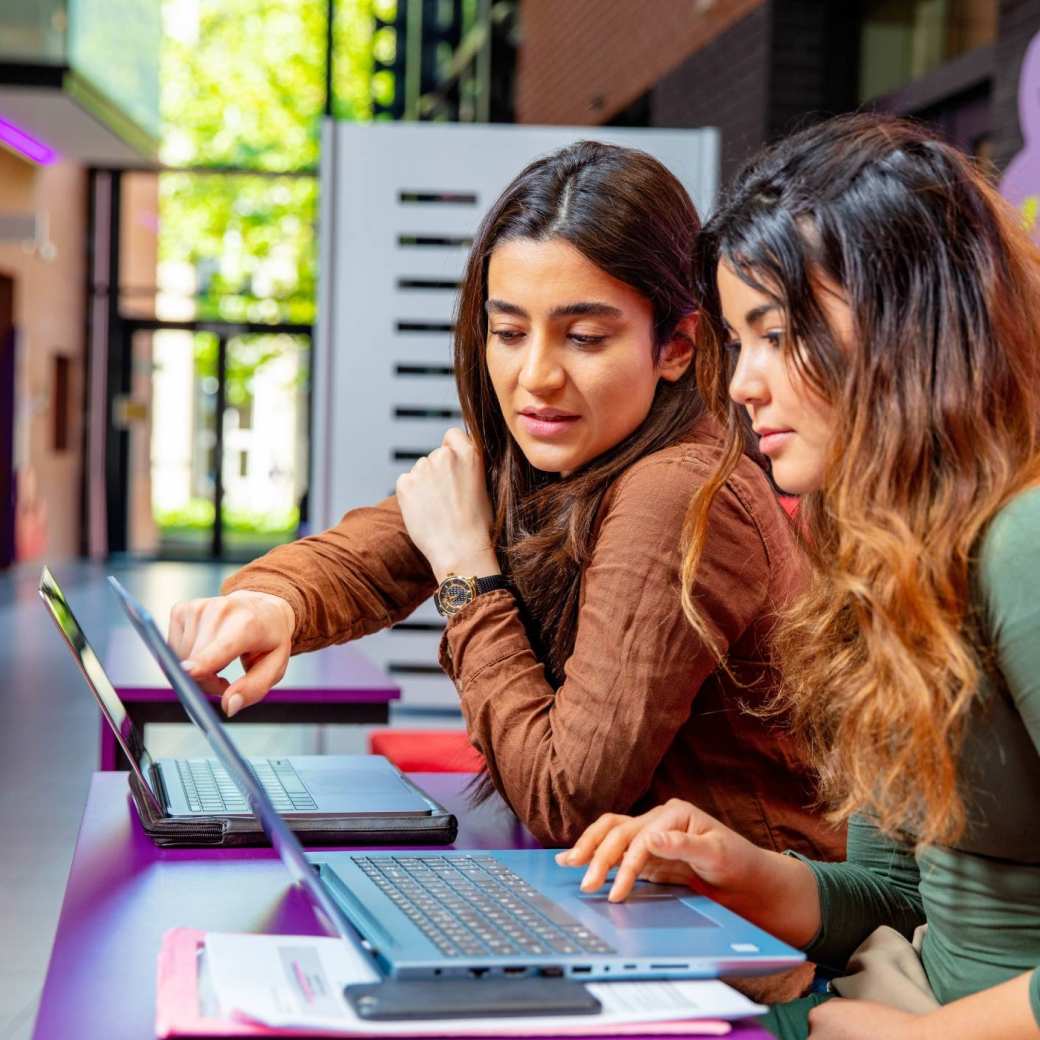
pixel 400 205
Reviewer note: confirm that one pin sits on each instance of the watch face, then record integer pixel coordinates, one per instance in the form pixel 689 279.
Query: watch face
pixel 454 593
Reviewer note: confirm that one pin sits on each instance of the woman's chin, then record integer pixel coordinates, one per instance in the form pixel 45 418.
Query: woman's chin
pixel 550 459
pixel 794 480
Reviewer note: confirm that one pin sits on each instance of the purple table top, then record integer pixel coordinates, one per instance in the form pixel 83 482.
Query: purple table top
pixel 339 672
pixel 123 893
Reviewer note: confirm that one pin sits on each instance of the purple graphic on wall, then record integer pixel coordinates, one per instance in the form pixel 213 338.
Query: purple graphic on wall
pixel 1021 183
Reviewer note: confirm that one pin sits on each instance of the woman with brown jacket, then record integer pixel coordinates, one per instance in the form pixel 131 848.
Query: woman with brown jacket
pixel 551 532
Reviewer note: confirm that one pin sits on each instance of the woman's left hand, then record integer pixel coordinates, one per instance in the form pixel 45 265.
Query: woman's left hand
pixel 842 1019
pixel 445 505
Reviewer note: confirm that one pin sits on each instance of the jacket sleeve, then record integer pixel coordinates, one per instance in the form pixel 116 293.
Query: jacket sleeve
pixel 562 758
pixel 362 575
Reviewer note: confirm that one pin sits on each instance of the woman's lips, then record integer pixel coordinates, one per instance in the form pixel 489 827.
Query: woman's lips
pixel 547 426
pixel 772 441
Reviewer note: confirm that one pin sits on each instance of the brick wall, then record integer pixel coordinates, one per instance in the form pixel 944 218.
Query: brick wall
pixel 725 85
pixel 1018 23
pixel 582 61
pixel 813 63
pixel 753 68
pixel 784 64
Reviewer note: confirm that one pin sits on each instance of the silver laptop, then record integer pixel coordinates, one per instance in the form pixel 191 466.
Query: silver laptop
pixel 334 798
pixel 510 913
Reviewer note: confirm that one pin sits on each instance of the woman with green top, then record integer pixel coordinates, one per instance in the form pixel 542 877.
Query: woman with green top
pixel 875 316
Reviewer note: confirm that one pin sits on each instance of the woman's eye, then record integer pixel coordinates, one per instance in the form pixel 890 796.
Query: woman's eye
pixel 507 335
pixel 585 340
pixel 731 348
pixel 775 338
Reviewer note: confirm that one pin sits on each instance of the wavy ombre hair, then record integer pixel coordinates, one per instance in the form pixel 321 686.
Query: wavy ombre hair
pixel 936 410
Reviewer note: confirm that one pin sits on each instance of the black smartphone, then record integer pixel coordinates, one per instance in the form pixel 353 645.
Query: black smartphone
pixel 396 1000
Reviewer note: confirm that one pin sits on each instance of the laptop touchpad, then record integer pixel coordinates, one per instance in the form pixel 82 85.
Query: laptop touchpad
pixel 360 791
pixel 650 912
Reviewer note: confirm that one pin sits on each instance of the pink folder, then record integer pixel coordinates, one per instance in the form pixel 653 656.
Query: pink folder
pixel 177 1008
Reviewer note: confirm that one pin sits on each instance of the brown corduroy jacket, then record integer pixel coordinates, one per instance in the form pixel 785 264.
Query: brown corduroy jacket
pixel 644 713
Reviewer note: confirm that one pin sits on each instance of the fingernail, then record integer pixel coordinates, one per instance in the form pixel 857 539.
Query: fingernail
pixel 188 665
pixel 563 858
pixel 586 883
pixel 234 704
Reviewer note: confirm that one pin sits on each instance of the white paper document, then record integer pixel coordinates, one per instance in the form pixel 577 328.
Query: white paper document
pixel 297 981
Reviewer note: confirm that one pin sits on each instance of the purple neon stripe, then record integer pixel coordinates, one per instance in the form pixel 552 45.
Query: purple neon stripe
pixel 25 143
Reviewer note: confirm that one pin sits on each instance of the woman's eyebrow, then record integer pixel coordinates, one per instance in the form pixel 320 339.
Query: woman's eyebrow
pixel 758 313
pixel 502 307
pixel 587 309
pixel 581 309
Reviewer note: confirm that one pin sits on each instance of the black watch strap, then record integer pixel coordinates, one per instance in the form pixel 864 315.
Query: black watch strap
pixel 492 582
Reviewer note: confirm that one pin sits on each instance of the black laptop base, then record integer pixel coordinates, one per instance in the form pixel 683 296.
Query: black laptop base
pixel 438 828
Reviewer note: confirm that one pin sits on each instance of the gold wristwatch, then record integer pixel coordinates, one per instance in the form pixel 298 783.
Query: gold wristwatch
pixel 455 592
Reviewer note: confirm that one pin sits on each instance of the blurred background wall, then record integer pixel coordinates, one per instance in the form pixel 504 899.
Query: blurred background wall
pixel 159 203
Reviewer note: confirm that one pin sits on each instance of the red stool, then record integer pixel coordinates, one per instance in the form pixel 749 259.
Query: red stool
pixel 427 750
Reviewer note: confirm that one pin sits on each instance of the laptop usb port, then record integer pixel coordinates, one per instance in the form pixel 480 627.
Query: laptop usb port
pixel 552 972
pixel 581 969
pixel 514 970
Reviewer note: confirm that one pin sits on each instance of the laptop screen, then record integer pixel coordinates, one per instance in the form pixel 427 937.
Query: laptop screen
pixel 112 708
pixel 202 714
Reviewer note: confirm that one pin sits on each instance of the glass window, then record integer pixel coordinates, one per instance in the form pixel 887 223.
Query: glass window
pixel 33 31
pixel 237 247
pixel 902 40
pixel 243 83
pixel 114 46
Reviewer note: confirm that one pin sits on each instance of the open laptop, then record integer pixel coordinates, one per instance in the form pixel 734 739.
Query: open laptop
pixel 496 913
pixel 328 799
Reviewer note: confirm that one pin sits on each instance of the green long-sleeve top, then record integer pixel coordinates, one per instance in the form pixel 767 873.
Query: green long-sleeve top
pixel 981 897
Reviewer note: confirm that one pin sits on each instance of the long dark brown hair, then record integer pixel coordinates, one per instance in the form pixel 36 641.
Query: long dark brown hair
pixel 623 211
pixel 935 398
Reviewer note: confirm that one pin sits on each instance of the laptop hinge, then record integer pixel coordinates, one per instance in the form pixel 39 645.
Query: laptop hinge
pixel 163 795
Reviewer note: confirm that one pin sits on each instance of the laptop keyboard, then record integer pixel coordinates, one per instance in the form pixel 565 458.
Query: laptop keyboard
pixel 210 789
pixel 471 906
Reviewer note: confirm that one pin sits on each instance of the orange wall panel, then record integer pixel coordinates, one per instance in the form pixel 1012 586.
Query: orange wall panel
pixel 49 316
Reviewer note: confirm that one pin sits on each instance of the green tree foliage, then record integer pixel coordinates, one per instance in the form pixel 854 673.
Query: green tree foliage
pixel 243 81
pixel 250 241
pixel 243 85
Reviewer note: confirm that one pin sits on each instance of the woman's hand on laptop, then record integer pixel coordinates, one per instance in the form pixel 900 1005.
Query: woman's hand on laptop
pixel 677 843
pixel 208 634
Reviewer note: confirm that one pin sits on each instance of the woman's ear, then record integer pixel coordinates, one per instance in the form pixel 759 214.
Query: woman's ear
pixel 678 351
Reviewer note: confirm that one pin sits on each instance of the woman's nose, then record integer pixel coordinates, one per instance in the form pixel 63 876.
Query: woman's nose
pixel 747 384
pixel 541 371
